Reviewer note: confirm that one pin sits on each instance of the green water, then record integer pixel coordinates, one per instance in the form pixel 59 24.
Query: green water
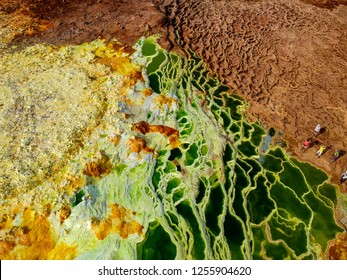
pixel 247 190
pixel 272 163
pixel 328 194
pixel 286 199
pixel 293 178
pixel 157 245
pixel 235 236
pixel 186 211
pixel 214 209
pixel 259 205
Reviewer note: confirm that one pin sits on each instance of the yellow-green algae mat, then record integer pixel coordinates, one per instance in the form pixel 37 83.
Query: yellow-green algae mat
pixel 111 156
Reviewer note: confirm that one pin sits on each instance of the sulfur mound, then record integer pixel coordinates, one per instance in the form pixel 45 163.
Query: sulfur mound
pixel 51 99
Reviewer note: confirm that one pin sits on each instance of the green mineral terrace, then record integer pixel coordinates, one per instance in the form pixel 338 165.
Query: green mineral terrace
pixel 222 196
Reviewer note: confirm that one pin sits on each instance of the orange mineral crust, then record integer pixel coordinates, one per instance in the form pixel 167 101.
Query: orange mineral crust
pixel 137 145
pixel 98 168
pixel 33 239
pixel 120 221
pixel 171 133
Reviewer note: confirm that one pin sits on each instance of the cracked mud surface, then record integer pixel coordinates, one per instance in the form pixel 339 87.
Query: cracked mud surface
pixel 288 59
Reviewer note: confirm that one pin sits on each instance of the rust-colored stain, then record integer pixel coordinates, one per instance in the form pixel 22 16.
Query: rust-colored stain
pixel 98 168
pixel 338 251
pixel 33 240
pixel 21 20
pixel 113 56
pixel 147 92
pixel 163 129
pixel 126 100
pixel 137 145
pixel 142 127
pixel 47 209
pixel 174 140
pixel 162 100
pixel 137 75
pixel 65 212
pixel 120 64
pixel 5 248
pixel 120 221
pixel 38 26
pixel 173 134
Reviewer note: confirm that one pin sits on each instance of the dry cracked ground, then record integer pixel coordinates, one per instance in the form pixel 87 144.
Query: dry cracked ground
pixel 287 58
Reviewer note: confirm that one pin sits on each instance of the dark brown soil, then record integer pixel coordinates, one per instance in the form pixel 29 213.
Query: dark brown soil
pixel 77 21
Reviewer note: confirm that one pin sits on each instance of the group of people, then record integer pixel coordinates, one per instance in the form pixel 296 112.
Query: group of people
pixel 337 153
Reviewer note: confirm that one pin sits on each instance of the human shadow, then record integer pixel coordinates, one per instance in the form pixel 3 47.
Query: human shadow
pixel 327 149
pixel 322 130
pixel 334 157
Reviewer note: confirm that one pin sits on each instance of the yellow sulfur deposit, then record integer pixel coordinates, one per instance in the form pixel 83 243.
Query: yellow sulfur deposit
pixel 58 111
pixel 51 99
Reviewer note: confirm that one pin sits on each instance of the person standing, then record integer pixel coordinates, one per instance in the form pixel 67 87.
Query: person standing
pixel 317 130
pixel 343 177
pixel 306 144
pixel 320 151
pixel 335 155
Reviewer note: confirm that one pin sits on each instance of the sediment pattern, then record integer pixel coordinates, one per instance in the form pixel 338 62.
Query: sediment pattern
pixel 62 22
pixel 287 58
pixel 224 194
pixel 172 170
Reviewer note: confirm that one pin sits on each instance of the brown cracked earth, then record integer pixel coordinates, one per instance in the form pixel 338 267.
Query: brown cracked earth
pixel 288 59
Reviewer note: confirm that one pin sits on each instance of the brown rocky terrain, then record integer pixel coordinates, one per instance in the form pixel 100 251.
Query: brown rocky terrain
pixel 73 22
pixel 288 59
